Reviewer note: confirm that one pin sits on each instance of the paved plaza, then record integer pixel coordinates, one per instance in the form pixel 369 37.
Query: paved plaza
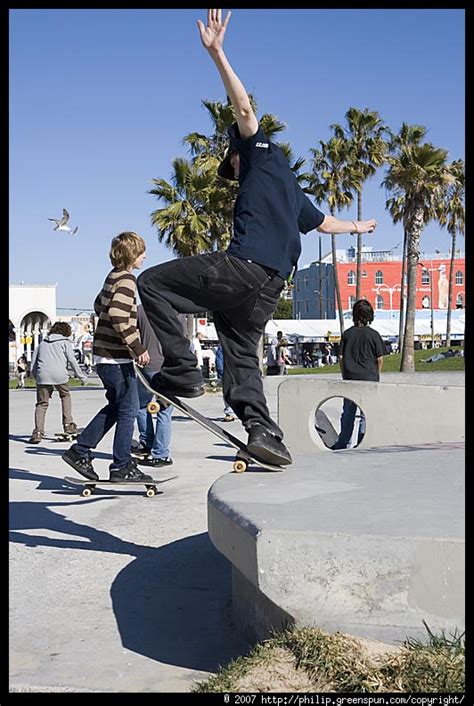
pixel 117 592
pixel 123 593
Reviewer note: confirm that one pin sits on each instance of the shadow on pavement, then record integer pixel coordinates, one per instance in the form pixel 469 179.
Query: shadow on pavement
pixel 171 603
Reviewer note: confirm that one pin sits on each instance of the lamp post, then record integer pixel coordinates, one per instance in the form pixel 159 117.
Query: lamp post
pixel 430 270
pixel 390 290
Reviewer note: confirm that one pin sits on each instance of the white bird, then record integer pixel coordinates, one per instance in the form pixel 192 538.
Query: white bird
pixel 62 223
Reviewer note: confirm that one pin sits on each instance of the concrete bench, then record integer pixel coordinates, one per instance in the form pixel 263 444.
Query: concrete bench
pixel 368 541
pixel 396 412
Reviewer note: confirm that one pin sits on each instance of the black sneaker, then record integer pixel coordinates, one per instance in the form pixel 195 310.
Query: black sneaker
pixel 130 473
pixel 80 463
pixel 158 384
pixel 266 447
pixel 155 462
pixel 140 451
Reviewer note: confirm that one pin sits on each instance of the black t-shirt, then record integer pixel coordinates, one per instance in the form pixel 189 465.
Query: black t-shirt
pixel 361 346
pixel 271 209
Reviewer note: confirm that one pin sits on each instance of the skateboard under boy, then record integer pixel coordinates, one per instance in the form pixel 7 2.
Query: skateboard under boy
pixel 89 485
pixel 67 436
pixel 243 457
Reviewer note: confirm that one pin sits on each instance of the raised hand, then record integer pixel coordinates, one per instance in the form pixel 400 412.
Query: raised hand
pixel 212 36
pixel 366 226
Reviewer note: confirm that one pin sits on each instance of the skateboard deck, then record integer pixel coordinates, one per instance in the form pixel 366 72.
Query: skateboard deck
pixel 243 457
pixel 89 485
pixel 64 436
pixel 325 429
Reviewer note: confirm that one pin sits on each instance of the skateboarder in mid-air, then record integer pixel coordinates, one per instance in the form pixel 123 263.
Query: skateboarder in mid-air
pixel 242 285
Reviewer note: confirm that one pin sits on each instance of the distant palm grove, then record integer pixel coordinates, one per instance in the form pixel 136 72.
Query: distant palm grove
pixel 420 184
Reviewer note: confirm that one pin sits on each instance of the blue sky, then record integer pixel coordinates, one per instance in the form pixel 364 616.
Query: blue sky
pixel 100 101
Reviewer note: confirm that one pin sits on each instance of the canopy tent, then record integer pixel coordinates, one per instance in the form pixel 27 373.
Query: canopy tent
pixel 318 329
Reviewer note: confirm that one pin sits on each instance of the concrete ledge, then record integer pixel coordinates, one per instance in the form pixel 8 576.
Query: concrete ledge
pixel 398 412
pixel 370 543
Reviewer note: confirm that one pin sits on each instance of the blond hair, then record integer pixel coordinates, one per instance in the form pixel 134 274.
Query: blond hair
pixel 125 249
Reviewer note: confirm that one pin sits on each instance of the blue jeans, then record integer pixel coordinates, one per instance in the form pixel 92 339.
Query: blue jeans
pixel 158 440
pixel 349 410
pixel 121 392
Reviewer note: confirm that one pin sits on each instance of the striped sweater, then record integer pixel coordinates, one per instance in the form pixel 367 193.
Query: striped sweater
pixel 117 335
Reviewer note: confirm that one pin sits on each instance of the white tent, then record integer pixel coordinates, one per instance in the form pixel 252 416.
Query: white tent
pixel 318 329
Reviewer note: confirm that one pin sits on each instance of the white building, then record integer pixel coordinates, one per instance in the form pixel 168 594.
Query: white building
pixel 32 311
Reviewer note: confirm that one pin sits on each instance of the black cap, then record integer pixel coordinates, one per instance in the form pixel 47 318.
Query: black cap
pixel 226 169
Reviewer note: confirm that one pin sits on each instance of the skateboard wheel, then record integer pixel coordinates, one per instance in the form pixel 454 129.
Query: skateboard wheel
pixel 87 492
pixel 150 491
pixel 240 466
pixel 153 407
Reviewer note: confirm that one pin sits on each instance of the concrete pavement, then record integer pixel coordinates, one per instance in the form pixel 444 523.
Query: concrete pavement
pixel 117 592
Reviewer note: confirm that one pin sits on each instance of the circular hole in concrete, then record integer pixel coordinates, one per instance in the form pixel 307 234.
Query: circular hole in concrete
pixel 340 423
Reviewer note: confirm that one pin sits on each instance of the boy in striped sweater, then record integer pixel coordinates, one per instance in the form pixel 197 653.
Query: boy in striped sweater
pixel 116 345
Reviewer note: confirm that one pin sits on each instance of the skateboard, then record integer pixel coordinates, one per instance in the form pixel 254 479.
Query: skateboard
pixel 64 436
pixel 89 485
pixel 243 457
pixel 325 429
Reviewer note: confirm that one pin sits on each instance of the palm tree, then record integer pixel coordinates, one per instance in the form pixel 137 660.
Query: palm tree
pixel 453 218
pixel 189 223
pixel 367 146
pixel 332 180
pixel 408 135
pixel 420 175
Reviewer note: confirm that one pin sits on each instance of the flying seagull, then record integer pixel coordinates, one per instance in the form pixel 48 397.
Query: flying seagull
pixel 62 223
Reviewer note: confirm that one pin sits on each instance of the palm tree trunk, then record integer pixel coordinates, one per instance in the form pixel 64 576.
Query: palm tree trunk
pixel 401 320
pixel 336 284
pixel 450 290
pixel 319 282
pixel 190 325
pixel 414 229
pixel 359 246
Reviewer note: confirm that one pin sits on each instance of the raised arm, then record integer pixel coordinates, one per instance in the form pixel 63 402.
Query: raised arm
pixel 212 38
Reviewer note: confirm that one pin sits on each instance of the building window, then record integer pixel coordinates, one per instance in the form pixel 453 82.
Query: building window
pixel 459 277
pixel 352 301
pixel 425 277
pixel 306 306
pixel 351 277
pixel 459 301
pixel 379 277
pixel 305 281
pixel 379 301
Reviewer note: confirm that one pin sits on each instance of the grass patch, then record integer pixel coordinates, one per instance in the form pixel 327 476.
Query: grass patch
pixel 391 364
pixel 314 660
pixel 31 382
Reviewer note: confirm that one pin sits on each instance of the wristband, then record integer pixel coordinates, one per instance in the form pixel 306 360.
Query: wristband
pixel 355 227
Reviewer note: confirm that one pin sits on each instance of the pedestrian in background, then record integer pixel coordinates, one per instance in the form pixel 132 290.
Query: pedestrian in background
pixel 229 415
pixel 21 369
pixel 154 439
pixel 49 367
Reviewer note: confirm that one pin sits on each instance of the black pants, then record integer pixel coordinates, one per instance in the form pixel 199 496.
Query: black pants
pixel 242 296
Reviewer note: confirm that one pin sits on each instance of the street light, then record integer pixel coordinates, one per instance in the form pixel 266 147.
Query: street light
pixel 390 290
pixel 431 269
